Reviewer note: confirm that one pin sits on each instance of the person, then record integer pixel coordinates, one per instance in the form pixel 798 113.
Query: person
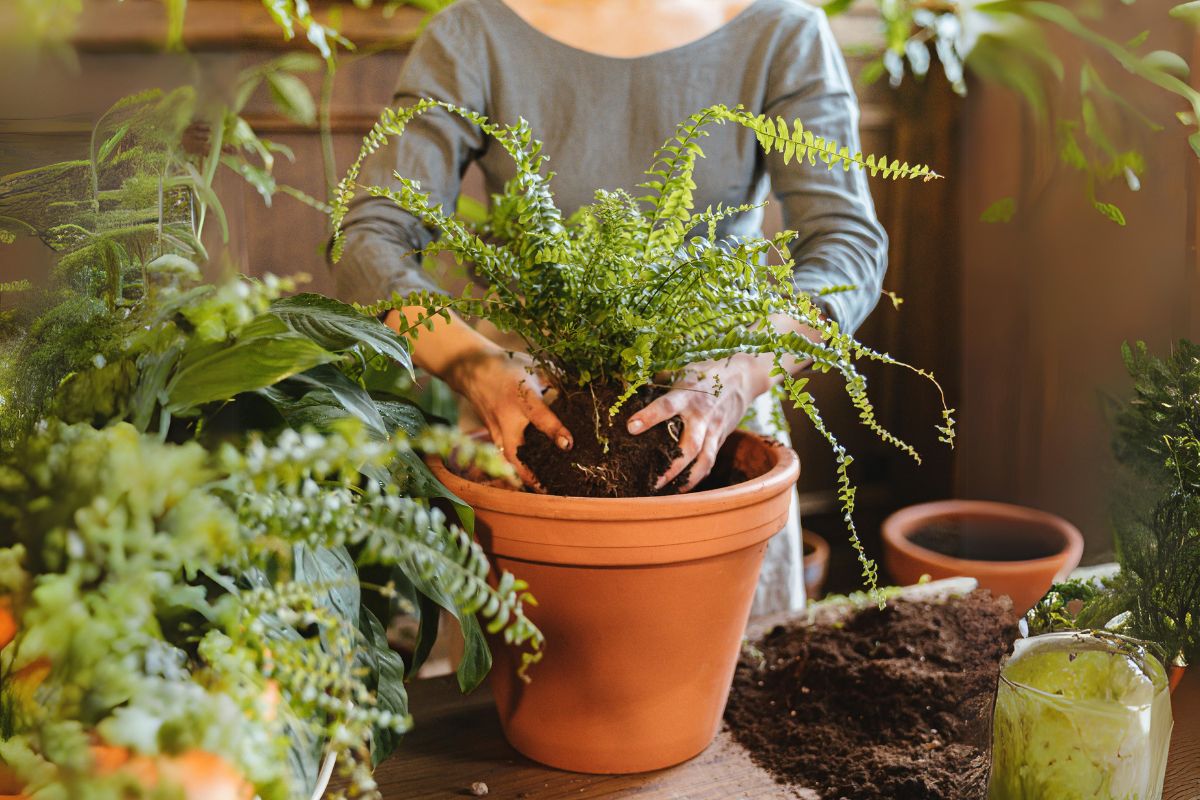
pixel 603 83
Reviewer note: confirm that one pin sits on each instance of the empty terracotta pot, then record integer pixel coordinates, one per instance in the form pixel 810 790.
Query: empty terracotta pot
pixel 1010 550
pixel 816 564
pixel 643 602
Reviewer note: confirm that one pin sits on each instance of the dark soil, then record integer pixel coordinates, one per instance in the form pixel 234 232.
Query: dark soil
pixel 893 704
pixel 987 540
pixel 632 464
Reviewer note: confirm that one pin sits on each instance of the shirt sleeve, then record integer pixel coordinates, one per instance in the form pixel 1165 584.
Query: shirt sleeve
pixel 435 149
pixel 841 242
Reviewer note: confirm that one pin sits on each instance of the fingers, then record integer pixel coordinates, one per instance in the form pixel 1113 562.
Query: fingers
pixel 704 462
pixel 544 419
pixel 695 432
pixel 662 409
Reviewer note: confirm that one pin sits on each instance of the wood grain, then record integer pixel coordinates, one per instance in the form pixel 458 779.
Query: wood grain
pixel 457 742
pixel 1183 766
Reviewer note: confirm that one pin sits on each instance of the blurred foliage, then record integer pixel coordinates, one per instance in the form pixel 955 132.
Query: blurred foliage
pixel 171 591
pixel 1009 43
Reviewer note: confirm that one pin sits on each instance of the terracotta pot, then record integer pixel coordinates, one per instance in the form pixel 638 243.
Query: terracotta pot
pixel 643 602
pixel 993 538
pixel 1175 672
pixel 816 565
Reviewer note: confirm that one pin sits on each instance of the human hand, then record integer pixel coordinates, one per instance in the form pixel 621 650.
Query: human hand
pixel 506 391
pixel 711 398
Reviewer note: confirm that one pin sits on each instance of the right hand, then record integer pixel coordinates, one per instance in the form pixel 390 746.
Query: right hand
pixel 506 391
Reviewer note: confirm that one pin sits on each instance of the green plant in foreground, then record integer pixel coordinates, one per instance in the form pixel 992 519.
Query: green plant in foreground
pixel 1156 595
pixel 629 291
pixel 168 586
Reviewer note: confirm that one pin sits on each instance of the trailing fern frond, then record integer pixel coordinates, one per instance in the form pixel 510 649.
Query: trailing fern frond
pixel 629 292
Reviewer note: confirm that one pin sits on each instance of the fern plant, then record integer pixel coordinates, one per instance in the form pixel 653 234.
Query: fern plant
pixel 628 291
pixel 170 591
pixel 127 341
pixel 1155 596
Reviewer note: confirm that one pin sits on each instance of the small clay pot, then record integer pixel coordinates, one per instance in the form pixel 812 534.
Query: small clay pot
pixel 643 602
pixel 1010 550
pixel 816 565
pixel 1175 672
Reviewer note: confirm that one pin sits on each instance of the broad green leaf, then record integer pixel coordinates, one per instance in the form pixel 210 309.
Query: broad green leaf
pixel 243 366
pixel 332 569
pixel 1171 63
pixel 477 658
pixel 337 327
pixel 1189 12
pixel 401 415
pixel 292 97
pixel 349 395
pixel 386 678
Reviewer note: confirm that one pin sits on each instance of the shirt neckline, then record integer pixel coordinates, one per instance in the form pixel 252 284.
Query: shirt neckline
pixel 715 33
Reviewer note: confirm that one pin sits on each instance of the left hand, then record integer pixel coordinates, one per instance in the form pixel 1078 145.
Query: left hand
pixel 712 398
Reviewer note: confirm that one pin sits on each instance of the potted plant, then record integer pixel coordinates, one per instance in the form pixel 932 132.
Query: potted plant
pixel 637 591
pixel 1154 596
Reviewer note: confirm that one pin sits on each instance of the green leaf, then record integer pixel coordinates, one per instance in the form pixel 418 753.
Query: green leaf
pixel 243 366
pixel 1110 211
pixel 292 97
pixel 332 569
pixel 401 415
pixel 1171 63
pixel 338 327
pixel 1189 12
pixel 111 142
pixel 385 677
pixel 835 7
pixel 1003 210
pixel 349 396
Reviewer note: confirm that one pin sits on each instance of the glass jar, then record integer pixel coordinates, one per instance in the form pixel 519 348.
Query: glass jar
pixel 1080 715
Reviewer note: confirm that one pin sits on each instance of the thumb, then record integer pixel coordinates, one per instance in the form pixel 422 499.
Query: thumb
pixel 660 410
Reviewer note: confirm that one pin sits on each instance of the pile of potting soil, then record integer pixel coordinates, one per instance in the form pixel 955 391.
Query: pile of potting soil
pixel 893 704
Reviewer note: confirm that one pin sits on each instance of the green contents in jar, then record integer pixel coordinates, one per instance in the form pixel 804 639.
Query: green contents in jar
pixel 1080 716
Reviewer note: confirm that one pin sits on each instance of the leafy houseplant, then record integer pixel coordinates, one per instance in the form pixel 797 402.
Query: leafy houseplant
pixel 173 601
pixel 613 303
pixel 1155 596
pixel 629 291
pixel 154 487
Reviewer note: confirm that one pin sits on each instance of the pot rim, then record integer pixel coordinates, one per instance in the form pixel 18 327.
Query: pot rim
pixel 779 478
pixel 900 524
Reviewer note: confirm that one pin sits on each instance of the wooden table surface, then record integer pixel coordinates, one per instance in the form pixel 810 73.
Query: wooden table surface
pixel 457 742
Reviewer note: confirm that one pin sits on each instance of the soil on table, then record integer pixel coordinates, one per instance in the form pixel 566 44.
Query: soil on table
pixel 893 704
pixel 630 466
pixel 986 540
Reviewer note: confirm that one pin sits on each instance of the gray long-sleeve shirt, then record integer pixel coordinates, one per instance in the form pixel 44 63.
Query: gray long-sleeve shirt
pixel 601 119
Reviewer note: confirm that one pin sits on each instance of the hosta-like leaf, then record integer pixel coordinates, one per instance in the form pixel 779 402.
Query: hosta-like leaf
pixel 337 326
pixel 243 366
